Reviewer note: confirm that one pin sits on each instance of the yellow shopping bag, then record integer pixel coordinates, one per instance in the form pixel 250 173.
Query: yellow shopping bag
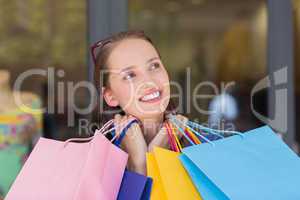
pixel 170 180
pixel 157 192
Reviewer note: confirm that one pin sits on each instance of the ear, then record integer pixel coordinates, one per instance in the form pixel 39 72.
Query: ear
pixel 109 97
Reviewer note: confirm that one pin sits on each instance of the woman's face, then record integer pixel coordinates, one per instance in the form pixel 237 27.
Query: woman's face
pixel 139 82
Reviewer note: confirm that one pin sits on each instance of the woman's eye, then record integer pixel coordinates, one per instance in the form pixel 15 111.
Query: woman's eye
pixel 154 66
pixel 129 76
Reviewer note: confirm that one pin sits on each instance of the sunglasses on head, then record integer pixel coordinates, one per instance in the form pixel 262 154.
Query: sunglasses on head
pixel 97 46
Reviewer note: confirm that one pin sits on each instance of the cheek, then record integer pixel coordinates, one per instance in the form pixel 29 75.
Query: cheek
pixel 127 98
pixel 122 92
pixel 163 80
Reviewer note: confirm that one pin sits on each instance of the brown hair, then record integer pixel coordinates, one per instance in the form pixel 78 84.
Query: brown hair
pixel 101 59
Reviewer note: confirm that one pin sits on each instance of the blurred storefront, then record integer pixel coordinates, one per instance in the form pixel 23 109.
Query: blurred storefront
pixel 45 34
pixel 219 43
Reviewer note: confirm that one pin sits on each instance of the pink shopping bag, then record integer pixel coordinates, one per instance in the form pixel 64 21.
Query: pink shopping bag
pixel 71 171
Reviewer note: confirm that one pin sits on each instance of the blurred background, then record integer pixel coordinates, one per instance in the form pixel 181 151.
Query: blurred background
pixel 207 40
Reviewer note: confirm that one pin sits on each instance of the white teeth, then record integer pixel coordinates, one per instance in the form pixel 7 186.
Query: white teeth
pixel 151 96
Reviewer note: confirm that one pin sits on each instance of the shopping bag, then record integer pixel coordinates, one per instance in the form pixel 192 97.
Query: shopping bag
pixel 255 165
pixel 147 190
pixel 166 170
pixel 69 170
pixel 134 187
pixel 205 187
pixel 196 134
pixel 157 192
pixel 173 181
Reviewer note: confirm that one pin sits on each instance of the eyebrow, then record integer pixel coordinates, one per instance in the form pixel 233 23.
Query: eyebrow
pixel 132 66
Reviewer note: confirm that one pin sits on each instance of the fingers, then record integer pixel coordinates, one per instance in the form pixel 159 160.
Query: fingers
pixel 181 124
pixel 162 131
pixel 121 121
pixel 130 117
pixel 161 140
pixel 117 119
pixel 182 118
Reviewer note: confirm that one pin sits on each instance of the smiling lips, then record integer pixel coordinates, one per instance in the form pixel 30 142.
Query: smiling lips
pixel 152 97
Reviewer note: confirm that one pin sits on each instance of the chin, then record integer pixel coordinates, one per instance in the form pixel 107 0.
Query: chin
pixel 148 114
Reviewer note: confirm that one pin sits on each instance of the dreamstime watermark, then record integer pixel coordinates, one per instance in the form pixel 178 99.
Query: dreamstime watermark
pixel 65 91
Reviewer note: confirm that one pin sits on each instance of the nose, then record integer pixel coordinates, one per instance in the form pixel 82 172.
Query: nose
pixel 146 76
pixel 147 86
pixel 147 80
pixel 146 83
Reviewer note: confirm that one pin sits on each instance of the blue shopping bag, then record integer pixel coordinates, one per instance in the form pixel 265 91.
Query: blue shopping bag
pixel 206 188
pixel 257 165
pixel 147 190
pixel 135 187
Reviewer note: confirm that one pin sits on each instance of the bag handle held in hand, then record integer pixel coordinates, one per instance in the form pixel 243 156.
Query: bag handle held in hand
pixel 102 131
pixel 212 131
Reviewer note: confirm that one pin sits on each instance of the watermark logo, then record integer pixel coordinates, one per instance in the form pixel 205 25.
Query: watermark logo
pixel 278 81
pixel 188 98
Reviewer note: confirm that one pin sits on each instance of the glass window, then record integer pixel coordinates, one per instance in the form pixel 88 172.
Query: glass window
pixel 45 34
pixel 216 47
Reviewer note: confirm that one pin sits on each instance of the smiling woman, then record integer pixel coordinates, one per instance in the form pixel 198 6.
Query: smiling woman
pixel 123 62
pixel 134 84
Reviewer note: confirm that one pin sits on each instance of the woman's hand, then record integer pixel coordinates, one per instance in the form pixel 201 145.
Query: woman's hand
pixel 162 139
pixel 133 143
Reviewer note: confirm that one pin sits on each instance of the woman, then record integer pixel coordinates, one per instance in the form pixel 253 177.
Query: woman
pixel 134 84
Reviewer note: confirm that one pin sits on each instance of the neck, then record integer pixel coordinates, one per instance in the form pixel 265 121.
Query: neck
pixel 151 126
